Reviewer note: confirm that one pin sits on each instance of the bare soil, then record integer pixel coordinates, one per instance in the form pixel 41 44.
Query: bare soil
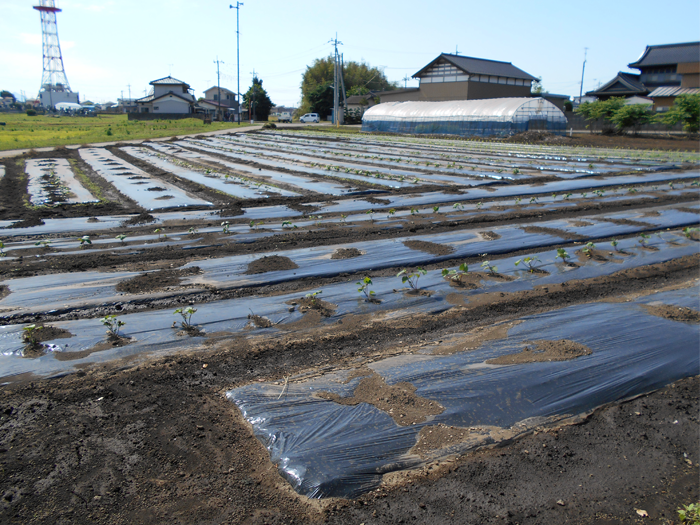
pixel 674 313
pixel 543 351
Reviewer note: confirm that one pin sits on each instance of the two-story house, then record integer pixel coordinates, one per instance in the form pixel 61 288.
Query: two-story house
pixel 168 95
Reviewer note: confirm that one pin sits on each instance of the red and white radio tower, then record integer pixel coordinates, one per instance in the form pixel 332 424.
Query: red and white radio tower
pixel 54 84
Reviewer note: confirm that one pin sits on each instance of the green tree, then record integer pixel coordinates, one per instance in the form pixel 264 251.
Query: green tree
pixel 602 110
pixel 357 75
pixel 4 93
pixel 631 116
pixel 686 109
pixel 321 100
pixel 538 88
pixel 261 103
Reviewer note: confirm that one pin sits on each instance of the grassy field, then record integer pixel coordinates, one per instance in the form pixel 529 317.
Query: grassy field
pixel 21 131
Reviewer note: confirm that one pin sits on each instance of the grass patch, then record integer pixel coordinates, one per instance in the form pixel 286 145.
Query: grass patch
pixel 85 181
pixel 22 131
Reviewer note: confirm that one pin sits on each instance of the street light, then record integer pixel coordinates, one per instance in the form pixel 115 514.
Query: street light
pixel 238 61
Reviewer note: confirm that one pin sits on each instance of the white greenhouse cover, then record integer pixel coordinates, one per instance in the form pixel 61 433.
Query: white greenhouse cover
pixel 68 105
pixel 503 108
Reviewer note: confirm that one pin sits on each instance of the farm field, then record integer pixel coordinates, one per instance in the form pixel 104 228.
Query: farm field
pixel 22 131
pixel 297 327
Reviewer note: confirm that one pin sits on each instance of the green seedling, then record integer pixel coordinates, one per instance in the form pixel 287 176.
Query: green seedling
pixel 2 249
pixel 600 193
pixel 364 288
pixel 529 262
pixel 121 237
pixel 670 185
pixel 588 249
pixel 436 209
pixel 516 171
pixel 591 166
pixel 225 226
pixel 567 196
pixel 186 314
pixel 518 200
pixel 287 224
pixel 113 325
pixel 85 240
pixel 562 254
pixel 392 211
pixel 614 244
pixel 371 215
pixel 29 334
pixel 254 225
pixel 643 239
pixel 695 183
pixel 414 211
pixel 456 275
pixel 554 196
pixel 343 217
pixel 43 244
pixel 192 230
pixel 486 265
pixel 312 295
pixel 689 514
pixel 411 278
pixel 633 190
pixel 688 231
pixel 533 200
pixel 479 205
pixel 161 235
pixel 458 206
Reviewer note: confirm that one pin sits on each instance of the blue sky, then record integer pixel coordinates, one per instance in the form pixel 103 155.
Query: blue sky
pixel 108 45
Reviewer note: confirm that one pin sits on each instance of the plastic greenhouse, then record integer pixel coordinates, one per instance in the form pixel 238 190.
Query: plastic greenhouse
pixel 487 117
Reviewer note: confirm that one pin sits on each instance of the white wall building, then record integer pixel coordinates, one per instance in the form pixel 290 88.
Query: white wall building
pixel 169 95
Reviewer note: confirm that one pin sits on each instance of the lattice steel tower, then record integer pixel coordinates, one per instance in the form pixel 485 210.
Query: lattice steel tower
pixel 54 83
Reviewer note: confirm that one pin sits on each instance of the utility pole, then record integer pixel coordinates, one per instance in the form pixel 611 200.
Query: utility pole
pixel 336 80
pixel 218 85
pixel 585 54
pixel 238 58
pixel 405 80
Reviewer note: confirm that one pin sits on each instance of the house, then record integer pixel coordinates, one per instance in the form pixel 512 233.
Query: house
pixel 228 97
pixel 665 71
pixel 457 77
pixel 168 96
pixel 224 107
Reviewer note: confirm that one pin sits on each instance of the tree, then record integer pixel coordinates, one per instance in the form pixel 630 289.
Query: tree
pixel 4 93
pixel 321 100
pixel 537 88
pixel 686 109
pixel 261 103
pixel 632 116
pixel 360 78
pixel 601 110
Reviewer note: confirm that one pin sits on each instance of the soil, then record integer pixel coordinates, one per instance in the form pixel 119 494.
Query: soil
pixel 305 304
pixel 346 253
pixel 554 231
pixel 489 236
pixel 674 313
pixel 153 439
pixel 398 400
pixel 109 343
pixel 429 247
pixel 544 351
pixel 273 263
pixel 158 280
pixel 473 280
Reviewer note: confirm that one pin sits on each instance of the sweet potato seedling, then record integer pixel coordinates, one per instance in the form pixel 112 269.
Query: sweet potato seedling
pixel 456 275
pixel 113 324
pixel 364 288
pixel 486 265
pixel 121 237
pixel 392 211
pixel 614 244
pixel 312 295
pixel 414 211
pixel 518 200
pixel 479 205
pixel 2 249
pixel 567 196
pixel 85 240
pixel 688 231
pixel 193 230
pixel 287 224
pixel 411 278
pixel 643 240
pixel 161 236
pixel 529 261
pixel 533 200
pixel 436 209
pixel 458 206
pixel 562 254
pixel 29 334
pixel 43 244
pixel 371 215
pixel 588 249
pixel 225 226
pixel 186 314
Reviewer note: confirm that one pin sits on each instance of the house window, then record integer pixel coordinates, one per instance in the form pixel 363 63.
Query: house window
pixel 155 108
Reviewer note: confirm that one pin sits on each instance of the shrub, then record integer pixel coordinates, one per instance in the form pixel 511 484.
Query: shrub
pixel 31 112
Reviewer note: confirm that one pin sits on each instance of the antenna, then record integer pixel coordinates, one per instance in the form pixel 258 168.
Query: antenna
pixel 54 83
pixel 405 79
pixel 456 49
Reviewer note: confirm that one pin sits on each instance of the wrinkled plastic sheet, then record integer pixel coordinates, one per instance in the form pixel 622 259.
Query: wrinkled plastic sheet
pixel 234 186
pixel 467 153
pixel 154 334
pixel 325 449
pixel 137 184
pixel 64 189
pixel 392 183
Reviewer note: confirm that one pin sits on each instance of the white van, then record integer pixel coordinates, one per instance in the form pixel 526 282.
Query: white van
pixel 310 117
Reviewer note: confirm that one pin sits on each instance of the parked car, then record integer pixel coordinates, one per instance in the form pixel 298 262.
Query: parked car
pixel 285 117
pixel 310 117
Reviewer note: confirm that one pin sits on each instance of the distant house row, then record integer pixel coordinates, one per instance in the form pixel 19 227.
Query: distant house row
pixel 175 97
pixel 665 72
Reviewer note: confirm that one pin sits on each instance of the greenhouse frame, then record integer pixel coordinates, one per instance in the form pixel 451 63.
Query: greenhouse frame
pixel 481 118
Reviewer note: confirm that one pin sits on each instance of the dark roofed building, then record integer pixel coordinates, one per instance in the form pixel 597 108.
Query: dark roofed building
pixel 666 71
pixel 457 77
pixel 623 85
